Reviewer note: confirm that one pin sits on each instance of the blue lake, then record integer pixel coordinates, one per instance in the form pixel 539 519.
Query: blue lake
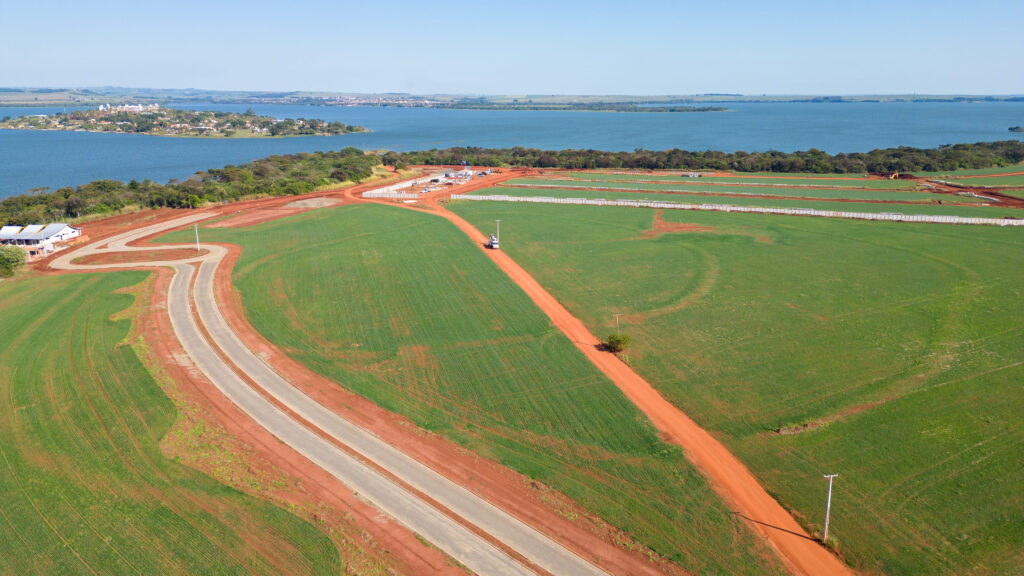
pixel 30 159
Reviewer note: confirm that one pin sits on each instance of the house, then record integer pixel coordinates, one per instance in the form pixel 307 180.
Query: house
pixel 37 239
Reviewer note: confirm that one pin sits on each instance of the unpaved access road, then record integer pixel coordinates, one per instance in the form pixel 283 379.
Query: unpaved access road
pixel 319 434
pixel 729 477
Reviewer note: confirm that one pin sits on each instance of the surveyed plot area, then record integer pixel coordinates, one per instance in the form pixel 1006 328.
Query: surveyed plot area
pixel 979 210
pixel 888 353
pixel 695 189
pixel 84 486
pixel 399 307
pixel 750 178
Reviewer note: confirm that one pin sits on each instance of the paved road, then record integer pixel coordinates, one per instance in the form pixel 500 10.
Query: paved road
pixel 472 550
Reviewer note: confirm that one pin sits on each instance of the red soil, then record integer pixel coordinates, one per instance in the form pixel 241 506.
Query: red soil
pixel 662 227
pixel 537 505
pixel 140 256
pixel 531 502
pixel 309 487
pixel 728 476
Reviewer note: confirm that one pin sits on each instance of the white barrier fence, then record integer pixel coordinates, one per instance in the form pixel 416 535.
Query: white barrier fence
pixel 883 216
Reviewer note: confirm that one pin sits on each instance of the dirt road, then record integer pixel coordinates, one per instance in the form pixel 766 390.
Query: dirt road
pixel 729 477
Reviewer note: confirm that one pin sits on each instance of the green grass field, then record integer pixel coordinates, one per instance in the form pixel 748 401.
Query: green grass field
pixel 890 354
pixel 830 193
pixel 403 309
pixel 975 172
pixel 1016 181
pixel 981 211
pixel 84 487
pixel 831 180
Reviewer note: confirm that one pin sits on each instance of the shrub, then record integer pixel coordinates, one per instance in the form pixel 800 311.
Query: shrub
pixel 11 258
pixel 616 343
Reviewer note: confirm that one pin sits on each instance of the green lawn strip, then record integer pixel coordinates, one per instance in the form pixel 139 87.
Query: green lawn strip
pixel 897 349
pixel 403 309
pixel 796 180
pixel 948 174
pixel 745 190
pixel 991 181
pixel 83 484
pixel 980 211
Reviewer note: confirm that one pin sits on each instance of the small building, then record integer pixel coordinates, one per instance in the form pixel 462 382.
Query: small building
pixel 39 239
pixel 492 243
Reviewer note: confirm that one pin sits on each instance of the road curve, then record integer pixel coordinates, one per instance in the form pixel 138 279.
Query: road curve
pixel 194 309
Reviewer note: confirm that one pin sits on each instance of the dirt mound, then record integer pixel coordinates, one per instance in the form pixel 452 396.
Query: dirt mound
pixel 313 203
pixel 140 256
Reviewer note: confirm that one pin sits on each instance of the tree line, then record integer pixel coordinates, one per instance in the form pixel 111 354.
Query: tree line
pixel 294 174
pixel 283 175
pixel 903 159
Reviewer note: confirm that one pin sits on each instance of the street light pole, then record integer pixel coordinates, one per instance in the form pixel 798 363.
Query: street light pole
pixel 497 235
pixel 828 506
pixel 197 238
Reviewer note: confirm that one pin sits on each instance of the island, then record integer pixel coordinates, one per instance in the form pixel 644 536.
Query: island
pixel 156 120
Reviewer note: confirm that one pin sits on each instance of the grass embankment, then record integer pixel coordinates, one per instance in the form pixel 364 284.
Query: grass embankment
pixel 890 354
pixel 797 192
pixel 980 211
pixel 84 487
pixel 401 308
pixel 832 180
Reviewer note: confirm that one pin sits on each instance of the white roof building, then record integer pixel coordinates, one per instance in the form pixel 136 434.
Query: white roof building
pixel 38 234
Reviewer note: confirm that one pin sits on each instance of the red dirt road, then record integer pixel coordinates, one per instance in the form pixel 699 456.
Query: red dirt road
pixel 729 477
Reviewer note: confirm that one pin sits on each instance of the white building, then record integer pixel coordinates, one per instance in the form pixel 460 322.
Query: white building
pixel 38 239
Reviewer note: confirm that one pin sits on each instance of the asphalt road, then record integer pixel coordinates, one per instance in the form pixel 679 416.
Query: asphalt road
pixel 416 514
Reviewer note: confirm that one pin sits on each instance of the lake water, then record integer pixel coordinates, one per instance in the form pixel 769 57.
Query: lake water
pixel 30 159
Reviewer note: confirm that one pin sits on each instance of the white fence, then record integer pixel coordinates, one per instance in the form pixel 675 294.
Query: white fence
pixel 884 216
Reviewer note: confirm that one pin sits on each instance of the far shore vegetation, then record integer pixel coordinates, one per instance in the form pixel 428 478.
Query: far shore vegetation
pixel 295 174
pixel 152 119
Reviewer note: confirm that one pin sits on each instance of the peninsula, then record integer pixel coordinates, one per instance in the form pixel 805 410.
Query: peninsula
pixel 156 120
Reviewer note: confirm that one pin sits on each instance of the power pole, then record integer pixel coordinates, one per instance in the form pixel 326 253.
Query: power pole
pixel 497 234
pixel 197 238
pixel 828 506
pixel 617 325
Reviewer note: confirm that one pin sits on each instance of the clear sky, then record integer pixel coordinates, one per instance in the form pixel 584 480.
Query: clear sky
pixel 521 47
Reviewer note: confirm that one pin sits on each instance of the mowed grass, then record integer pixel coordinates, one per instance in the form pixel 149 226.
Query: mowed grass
pixel 84 487
pixel 1016 181
pixel 831 180
pixel 890 354
pixel 402 308
pixel 979 210
pixel 972 172
pixel 805 192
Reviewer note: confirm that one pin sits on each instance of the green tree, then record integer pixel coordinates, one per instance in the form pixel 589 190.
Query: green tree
pixel 11 258
pixel 617 343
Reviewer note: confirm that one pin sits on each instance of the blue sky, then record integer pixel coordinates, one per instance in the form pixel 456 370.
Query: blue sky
pixel 523 47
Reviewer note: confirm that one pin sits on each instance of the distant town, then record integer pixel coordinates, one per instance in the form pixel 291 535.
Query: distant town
pixel 157 120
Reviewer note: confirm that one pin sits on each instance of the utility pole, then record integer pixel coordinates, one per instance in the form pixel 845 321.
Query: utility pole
pixel 497 235
pixel 828 506
pixel 617 325
pixel 197 238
